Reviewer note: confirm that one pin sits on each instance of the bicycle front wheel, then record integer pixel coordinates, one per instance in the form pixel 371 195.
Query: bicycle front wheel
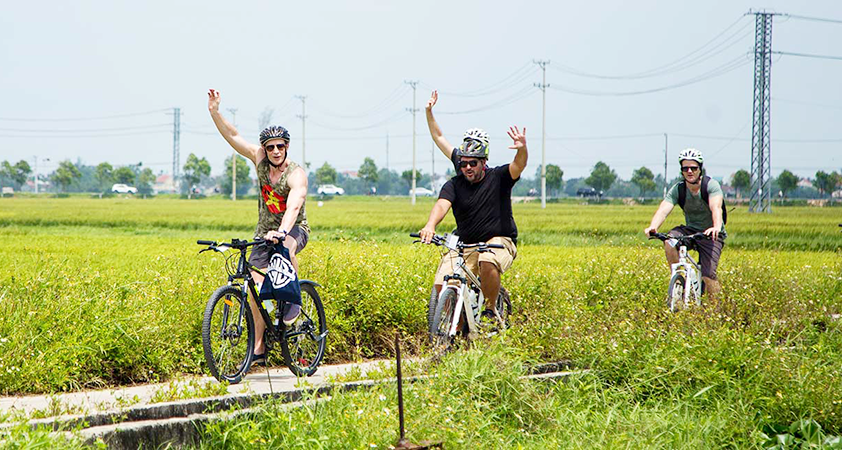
pixel 440 336
pixel 303 344
pixel 504 305
pixel 228 334
pixel 675 294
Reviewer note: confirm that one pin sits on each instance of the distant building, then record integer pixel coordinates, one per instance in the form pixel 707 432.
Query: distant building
pixel 805 183
pixel 164 185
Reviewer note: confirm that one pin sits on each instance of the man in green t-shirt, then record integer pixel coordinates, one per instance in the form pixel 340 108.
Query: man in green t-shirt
pixel 700 216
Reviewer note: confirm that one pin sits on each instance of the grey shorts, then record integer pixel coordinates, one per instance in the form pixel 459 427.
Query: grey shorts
pixel 260 253
pixel 709 251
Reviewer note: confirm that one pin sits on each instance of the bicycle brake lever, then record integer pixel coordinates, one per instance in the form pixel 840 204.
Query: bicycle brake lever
pixel 204 250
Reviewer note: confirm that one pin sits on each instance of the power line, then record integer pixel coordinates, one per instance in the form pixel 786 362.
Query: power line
pixel 800 102
pixel 389 119
pixel 390 99
pixel 814 19
pixel 70 136
pixel 721 70
pixel 808 55
pixel 90 130
pixel 80 119
pixel 676 65
pixel 517 96
pixel 511 80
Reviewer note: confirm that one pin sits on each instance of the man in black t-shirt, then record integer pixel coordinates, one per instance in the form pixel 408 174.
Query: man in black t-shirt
pixel 481 198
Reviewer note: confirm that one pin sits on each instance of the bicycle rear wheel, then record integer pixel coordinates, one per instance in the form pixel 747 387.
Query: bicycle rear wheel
pixel 431 306
pixel 303 344
pixel 228 334
pixel 442 321
pixel 675 294
pixel 504 305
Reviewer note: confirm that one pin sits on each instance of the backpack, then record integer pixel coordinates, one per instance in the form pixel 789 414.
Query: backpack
pixel 281 282
pixel 682 196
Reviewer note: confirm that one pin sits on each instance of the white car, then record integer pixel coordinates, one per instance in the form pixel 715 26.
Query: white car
pixel 123 189
pixel 329 189
pixel 422 192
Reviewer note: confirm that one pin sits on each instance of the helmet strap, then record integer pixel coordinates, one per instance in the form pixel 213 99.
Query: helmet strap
pixel 277 166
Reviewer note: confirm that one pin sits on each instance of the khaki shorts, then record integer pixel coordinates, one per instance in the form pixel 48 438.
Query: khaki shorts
pixel 502 258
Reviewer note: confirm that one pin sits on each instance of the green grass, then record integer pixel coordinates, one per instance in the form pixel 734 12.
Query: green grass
pixel 107 292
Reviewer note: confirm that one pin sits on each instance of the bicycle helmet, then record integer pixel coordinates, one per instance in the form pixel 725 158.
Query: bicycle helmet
pixel 476 134
pixel 273 132
pixel 472 148
pixel 691 154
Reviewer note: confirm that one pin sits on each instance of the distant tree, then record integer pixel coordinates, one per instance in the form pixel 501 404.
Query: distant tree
pixel 325 174
pixel 194 170
pixel 145 180
pixel 741 180
pixel 104 175
pixel 124 175
pixel 66 173
pixel 602 177
pixel 826 183
pixel 243 179
pixel 406 175
pixel 18 173
pixel 644 179
pixel 787 182
pixel 554 178
pixel 368 171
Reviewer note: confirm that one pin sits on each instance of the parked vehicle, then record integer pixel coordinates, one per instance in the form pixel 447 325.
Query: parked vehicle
pixel 422 192
pixel 588 192
pixel 329 189
pixel 120 188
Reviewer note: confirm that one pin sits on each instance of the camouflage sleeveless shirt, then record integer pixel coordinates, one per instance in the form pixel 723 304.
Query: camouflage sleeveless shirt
pixel 272 200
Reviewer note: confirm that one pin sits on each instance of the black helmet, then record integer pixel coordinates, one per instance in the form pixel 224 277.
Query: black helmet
pixel 273 132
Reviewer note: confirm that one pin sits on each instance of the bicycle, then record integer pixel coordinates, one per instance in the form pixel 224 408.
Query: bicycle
pixel 461 293
pixel 228 317
pixel 686 284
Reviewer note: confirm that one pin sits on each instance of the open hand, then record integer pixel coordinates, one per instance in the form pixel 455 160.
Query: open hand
pixel 213 100
pixel 434 97
pixel 518 137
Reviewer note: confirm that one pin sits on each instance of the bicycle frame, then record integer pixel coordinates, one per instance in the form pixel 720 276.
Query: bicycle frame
pixel 466 279
pixel 691 271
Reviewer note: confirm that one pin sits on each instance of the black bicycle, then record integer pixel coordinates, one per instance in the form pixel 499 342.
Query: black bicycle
pixel 228 325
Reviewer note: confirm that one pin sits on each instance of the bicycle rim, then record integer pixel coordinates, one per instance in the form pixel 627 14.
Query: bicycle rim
pixel 227 335
pixel 303 345
pixel 675 295
pixel 443 320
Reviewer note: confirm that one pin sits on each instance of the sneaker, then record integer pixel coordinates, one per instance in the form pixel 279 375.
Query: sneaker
pixel 292 313
pixel 258 360
pixel 488 320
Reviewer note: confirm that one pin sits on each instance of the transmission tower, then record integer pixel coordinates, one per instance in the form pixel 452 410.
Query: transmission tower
pixel 761 176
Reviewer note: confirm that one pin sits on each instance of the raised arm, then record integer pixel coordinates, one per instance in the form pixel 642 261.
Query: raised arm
pixel 519 162
pixel 435 130
pixel 660 216
pixel 229 132
pixel 440 210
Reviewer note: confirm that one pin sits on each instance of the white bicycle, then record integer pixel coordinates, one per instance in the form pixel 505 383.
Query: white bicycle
pixel 461 293
pixel 686 285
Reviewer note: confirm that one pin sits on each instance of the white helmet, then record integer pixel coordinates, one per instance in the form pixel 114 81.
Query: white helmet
pixel 691 154
pixel 476 134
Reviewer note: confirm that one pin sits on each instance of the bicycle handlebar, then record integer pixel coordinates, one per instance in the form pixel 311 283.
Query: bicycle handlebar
pixel 440 240
pixel 238 244
pixel 689 237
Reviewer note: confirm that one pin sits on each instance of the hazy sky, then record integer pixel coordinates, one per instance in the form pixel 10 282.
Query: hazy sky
pixel 137 60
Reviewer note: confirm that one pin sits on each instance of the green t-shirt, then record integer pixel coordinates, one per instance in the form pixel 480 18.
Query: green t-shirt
pixel 697 213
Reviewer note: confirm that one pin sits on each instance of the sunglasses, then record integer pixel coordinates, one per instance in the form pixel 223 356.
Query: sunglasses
pixel 689 168
pixel 271 147
pixel 471 163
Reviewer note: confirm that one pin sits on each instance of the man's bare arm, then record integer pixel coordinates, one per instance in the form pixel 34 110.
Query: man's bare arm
pixel 660 216
pixel 522 156
pixel 435 130
pixel 295 200
pixel 440 210
pixel 229 132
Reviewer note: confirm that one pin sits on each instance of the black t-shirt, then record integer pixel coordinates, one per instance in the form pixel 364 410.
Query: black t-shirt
pixel 482 210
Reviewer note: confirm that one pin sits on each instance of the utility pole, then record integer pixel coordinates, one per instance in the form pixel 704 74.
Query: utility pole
pixel 761 166
pixel 176 145
pixel 35 158
pixel 233 112
pixel 387 151
pixel 414 85
pixel 303 117
pixel 543 86
pixel 666 182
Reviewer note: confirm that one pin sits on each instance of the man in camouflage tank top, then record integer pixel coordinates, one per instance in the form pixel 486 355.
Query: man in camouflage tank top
pixel 281 217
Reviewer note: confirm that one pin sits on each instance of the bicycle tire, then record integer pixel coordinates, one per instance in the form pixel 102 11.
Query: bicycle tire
pixel 442 321
pixel 225 356
pixel 431 306
pixel 504 305
pixel 304 351
pixel 675 294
